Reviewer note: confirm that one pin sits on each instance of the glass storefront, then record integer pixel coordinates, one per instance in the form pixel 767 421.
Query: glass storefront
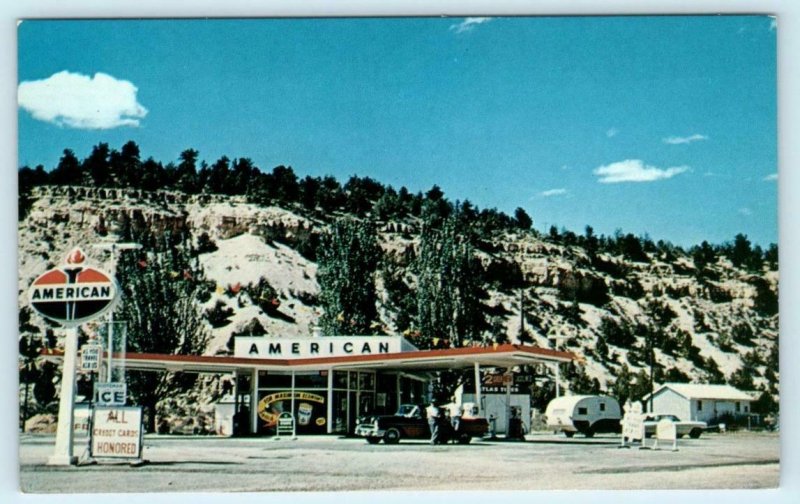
pixel 310 400
pixel 353 396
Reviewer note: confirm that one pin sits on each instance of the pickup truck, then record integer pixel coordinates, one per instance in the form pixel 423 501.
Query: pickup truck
pixel 683 428
pixel 409 422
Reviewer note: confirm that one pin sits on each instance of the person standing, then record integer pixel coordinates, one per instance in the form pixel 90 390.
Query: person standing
pixel 456 411
pixel 433 414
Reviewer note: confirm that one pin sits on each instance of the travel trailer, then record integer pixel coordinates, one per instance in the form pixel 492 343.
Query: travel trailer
pixel 587 414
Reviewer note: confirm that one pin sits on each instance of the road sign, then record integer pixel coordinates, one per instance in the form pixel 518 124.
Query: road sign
pixel 72 293
pixel 110 394
pixel 91 357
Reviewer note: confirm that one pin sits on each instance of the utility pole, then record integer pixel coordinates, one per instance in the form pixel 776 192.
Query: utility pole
pixel 522 315
pixel 558 339
pixel 652 358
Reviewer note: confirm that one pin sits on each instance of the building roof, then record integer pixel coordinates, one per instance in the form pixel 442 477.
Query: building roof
pixel 704 391
pixel 451 358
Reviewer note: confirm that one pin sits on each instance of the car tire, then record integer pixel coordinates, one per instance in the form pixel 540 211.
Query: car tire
pixel 464 439
pixel 373 440
pixel 695 433
pixel 569 434
pixel 589 433
pixel 392 436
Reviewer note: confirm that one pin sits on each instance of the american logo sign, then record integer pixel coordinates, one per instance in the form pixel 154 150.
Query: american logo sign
pixel 72 293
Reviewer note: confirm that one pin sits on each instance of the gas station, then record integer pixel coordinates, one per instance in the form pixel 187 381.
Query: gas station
pixel 327 382
pixel 323 384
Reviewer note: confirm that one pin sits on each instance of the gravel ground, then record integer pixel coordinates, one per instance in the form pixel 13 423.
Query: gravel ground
pixel 544 462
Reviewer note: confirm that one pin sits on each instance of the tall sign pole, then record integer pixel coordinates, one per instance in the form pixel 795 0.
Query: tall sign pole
pixel 114 248
pixel 63 453
pixel 71 295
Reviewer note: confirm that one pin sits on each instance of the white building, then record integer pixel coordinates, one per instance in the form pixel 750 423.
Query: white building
pixel 691 401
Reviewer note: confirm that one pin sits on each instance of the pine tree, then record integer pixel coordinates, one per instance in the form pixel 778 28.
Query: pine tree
pixel 29 349
pixel 348 258
pixel 160 286
pixel 523 220
pixel 449 293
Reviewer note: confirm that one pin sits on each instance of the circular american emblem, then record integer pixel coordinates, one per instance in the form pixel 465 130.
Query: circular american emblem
pixel 73 293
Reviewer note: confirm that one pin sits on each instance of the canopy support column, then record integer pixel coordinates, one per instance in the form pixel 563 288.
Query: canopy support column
pixel 294 418
pixel 477 368
pixel 330 401
pixel 254 401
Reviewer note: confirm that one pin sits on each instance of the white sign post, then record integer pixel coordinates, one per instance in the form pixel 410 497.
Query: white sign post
pixel 117 432
pixel 63 452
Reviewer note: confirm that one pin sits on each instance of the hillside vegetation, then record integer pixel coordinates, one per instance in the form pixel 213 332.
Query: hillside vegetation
pixel 260 255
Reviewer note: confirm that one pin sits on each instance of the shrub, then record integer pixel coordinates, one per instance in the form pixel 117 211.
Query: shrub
pixel 742 333
pixel 205 244
pixel 219 315
pixel 616 334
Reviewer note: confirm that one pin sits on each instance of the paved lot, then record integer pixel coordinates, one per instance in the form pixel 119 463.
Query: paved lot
pixel 544 462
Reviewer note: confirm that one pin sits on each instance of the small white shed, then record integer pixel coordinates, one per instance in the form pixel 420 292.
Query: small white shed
pixel 694 401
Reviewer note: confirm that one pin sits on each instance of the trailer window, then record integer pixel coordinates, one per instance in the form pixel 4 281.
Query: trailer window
pixel 602 406
pixel 581 411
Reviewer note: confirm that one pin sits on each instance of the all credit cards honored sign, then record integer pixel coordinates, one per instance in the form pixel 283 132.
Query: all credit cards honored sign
pixel 117 432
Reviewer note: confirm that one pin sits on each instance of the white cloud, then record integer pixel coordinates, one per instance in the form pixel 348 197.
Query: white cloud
pixel 745 211
pixel 469 24
pixel 612 132
pixel 673 140
pixel 770 177
pixel 79 101
pixel 553 192
pixel 634 170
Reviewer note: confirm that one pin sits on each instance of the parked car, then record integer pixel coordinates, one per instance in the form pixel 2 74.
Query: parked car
pixel 410 422
pixel 690 428
pixel 585 414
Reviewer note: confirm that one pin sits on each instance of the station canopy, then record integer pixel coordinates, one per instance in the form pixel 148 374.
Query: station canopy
pixel 500 356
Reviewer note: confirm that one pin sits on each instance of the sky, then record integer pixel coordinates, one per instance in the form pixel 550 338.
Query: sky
pixel 664 126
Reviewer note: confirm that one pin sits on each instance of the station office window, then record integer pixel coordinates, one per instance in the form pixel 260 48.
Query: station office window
pixel 738 407
pixel 699 405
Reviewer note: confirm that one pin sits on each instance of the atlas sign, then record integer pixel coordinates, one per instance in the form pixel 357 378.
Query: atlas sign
pixel 73 293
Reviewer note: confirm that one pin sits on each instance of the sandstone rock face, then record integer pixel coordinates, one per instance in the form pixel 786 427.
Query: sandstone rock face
pixel 255 242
